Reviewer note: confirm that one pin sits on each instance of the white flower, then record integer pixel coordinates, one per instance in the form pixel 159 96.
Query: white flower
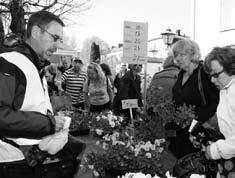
pixel 91 167
pixel 137 175
pixel 168 175
pixel 158 142
pixel 112 124
pixel 98 118
pixel 99 131
pixel 104 146
pixel 96 174
pixel 106 137
pixel 148 155
pixel 136 150
pixel 97 142
pixel 160 149
pixel 120 118
pixel 103 117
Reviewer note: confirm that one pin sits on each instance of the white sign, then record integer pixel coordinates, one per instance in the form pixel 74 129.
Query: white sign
pixel 130 103
pixel 135 42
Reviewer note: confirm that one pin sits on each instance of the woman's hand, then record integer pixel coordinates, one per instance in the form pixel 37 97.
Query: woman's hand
pixel 194 141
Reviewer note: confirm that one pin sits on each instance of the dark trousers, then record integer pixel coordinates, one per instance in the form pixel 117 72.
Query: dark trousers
pixel 79 105
pixel 17 169
pixel 100 108
pixel 63 168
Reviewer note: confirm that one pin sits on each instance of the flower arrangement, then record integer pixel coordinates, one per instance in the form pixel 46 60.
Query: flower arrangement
pixel 123 154
pixel 141 175
pixel 105 123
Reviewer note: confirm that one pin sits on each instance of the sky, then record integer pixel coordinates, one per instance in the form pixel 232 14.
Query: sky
pixel 106 17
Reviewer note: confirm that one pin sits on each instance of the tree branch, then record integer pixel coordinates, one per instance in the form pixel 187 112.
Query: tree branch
pixel 4 4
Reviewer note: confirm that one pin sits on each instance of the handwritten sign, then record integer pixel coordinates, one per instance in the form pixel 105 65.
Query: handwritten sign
pixel 130 103
pixel 135 42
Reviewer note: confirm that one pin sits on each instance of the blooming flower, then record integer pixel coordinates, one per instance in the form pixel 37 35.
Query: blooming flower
pixel 148 155
pixel 96 174
pixel 99 131
pixel 91 167
pixel 98 118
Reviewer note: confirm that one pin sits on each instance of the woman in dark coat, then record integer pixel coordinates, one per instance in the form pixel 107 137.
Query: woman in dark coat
pixel 193 87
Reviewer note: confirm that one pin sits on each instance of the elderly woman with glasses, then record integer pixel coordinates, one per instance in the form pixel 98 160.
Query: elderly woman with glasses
pixel 220 63
pixel 193 87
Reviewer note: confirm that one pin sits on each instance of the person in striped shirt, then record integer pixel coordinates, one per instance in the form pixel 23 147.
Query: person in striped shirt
pixel 74 80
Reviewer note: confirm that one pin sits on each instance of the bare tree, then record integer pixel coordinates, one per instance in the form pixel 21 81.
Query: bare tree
pixel 86 49
pixel 17 11
pixel 1 30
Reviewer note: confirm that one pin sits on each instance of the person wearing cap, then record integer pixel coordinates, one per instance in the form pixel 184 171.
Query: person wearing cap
pixel 74 80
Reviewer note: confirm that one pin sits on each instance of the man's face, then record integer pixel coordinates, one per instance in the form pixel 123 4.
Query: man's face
pixel 139 68
pixel 123 68
pixel 218 76
pixel 49 39
pixel 77 66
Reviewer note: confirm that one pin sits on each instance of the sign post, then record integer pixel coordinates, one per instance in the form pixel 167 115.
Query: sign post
pixel 129 104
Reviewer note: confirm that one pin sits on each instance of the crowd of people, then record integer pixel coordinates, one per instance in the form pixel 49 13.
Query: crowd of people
pixel 28 80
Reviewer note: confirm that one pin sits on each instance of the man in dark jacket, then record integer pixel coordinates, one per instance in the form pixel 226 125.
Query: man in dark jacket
pixel 26 114
pixel 130 88
pixel 162 83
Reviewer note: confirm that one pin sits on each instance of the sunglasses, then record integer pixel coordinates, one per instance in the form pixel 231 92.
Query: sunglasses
pixel 54 37
pixel 216 75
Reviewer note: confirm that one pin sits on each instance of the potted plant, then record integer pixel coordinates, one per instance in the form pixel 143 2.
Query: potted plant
pixel 105 123
pixel 80 124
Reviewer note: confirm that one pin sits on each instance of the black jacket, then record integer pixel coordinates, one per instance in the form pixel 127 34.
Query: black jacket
pixel 16 123
pixel 189 94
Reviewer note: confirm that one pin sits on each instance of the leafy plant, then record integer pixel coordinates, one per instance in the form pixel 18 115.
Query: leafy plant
pixel 80 120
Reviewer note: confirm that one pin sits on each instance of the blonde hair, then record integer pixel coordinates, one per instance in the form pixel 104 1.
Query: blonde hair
pixel 188 46
pixel 101 76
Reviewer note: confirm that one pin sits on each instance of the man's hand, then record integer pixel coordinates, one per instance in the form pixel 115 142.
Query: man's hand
pixel 60 120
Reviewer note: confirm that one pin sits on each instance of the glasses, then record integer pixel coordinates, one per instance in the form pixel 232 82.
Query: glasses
pixel 54 36
pixel 216 75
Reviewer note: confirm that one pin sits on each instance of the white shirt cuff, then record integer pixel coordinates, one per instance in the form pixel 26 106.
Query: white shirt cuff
pixel 215 151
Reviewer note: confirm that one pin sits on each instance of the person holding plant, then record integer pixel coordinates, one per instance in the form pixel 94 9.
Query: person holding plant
pixel 97 89
pixel 220 63
pixel 193 87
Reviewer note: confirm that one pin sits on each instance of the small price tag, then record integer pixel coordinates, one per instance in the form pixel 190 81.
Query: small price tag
pixel 130 103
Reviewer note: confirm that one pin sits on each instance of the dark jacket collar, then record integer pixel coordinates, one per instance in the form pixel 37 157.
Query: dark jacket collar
pixel 28 51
